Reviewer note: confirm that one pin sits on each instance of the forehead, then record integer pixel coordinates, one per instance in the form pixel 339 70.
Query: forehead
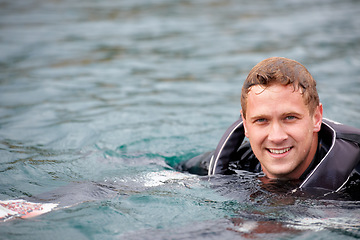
pixel 274 98
pixel 273 90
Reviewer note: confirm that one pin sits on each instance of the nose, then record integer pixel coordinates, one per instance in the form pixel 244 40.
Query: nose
pixel 277 133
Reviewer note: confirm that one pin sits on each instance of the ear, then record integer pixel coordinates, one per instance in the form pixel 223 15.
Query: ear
pixel 317 117
pixel 244 123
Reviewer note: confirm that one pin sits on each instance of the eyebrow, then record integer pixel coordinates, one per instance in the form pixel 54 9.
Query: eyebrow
pixel 260 116
pixel 293 113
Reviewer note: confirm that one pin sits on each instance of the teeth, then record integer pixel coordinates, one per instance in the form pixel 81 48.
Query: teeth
pixel 280 151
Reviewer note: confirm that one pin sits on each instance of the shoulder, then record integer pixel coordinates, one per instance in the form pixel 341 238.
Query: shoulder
pixel 343 131
pixel 341 160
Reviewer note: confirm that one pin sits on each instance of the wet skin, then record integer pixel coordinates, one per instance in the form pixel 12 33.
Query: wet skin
pixel 281 130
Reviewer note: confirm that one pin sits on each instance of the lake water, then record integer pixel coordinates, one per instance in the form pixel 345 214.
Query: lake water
pixel 98 99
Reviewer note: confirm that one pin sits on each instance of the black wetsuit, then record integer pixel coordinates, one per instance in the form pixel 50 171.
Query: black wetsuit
pixel 336 161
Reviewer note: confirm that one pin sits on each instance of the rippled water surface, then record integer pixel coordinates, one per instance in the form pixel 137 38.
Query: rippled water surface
pixel 98 99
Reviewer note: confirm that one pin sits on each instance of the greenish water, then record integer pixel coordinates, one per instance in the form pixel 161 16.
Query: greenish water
pixel 99 98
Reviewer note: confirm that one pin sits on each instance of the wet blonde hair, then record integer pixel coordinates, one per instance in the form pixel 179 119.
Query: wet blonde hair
pixel 284 71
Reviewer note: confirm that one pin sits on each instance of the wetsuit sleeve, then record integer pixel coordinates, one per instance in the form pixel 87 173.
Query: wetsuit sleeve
pixel 242 159
pixel 197 165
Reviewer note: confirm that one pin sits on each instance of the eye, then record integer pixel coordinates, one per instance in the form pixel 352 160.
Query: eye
pixel 290 118
pixel 260 120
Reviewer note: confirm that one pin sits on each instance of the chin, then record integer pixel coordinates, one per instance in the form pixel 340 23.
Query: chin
pixel 280 174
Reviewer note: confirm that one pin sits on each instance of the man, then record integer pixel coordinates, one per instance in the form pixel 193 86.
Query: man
pixel 282 118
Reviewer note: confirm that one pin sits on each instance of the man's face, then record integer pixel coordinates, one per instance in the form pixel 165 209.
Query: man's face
pixel 281 131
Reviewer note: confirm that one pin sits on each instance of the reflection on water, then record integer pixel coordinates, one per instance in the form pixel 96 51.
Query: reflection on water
pixel 96 97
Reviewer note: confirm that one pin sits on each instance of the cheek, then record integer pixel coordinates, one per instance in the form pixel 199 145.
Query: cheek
pixel 303 138
pixel 255 139
pixel 248 132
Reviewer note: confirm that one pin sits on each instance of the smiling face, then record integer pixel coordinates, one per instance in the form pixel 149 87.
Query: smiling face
pixel 281 130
